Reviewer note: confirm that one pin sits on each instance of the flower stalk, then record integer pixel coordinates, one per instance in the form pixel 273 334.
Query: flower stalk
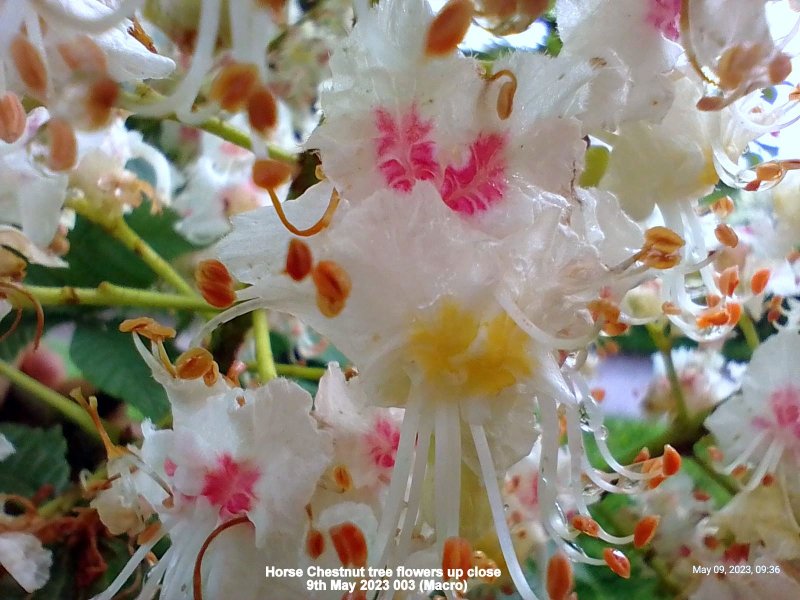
pixel 664 345
pixel 108 294
pixel 265 363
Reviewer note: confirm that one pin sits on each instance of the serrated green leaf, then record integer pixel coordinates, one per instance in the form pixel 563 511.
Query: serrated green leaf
pixel 94 256
pixel 39 459
pixel 110 361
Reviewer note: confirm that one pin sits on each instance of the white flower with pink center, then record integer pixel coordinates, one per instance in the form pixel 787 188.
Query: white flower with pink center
pixel 760 427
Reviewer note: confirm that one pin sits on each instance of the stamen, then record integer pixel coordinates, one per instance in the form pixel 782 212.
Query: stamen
pixel 100 100
pixel 197 576
pixel 729 280
pixel 299 260
pixel 663 239
pixel 333 287
pixel 759 281
pixel 505 97
pixel 12 118
pixel 726 235
pixel 215 283
pixel 342 478
pixel 559 577
pixel 147 327
pixel 586 525
pixel 448 28
pixel 316 227
pixel 233 86
pixel 269 174
pixel 30 65
pixel 63 145
pixel 82 55
pixel 645 530
pixel 194 364
pixel 722 207
pixel 315 543
pixel 112 450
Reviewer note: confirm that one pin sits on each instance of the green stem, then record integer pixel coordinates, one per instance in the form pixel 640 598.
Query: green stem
pixel 214 126
pixel 63 503
pixel 69 409
pixel 116 226
pixel 265 363
pixel 726 483
pixel 108 294
pixel 300 372
pixel 749 331
pixel 664 345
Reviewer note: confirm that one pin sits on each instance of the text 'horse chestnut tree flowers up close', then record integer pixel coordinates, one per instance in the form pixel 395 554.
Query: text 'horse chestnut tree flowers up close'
pixel 343 288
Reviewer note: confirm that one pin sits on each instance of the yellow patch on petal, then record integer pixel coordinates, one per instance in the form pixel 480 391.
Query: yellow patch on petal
pixel 708 176
pixel 467 356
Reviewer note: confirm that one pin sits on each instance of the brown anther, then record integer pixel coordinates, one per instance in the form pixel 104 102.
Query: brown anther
pixel 668 308
pixel 713 317
pixel 100 100
pixel 12 118
pixel 655 259
pixel 194 363
pixel 645 530
pixel 723 207
pixel 715 454
pixel 736 63
pixel 701 496
pixel 215 283
pixel 729 280
pixel 770 171
pixel 82 54
pixel 457 554
pixel 350 373
pixel 726 235
pixel 319 173
pixel 333 287
pixel 779 68
pixel 449 28
pixel 148 533
pixel 559 577
pixel 655 482
pixel 644 454
pixel 711 542
pixel 63 145
pixel 663 239
pixel 29 65
pixel 262 110
pixel 586 525
pixel 342 478
pixel 768 479
pixel 672 461
pixel 233 85
pixel 713 300
pixel 605 309
pixel 739 471
pixel 315 544
pixel 617 562
pixel 298 260
pixel 734 310
pixel 350 544
pixel 269 174
pixel 147 327
pixel 241 401
pixel 599 394
pixel 710 103
pixel 759 281
pixel 505 99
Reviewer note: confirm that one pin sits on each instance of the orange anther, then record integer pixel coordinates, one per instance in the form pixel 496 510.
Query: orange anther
pixel 655 482
pixel 645 530
pixel 269 174
pixel 715 317
pixel 194 363
pixel 315 544
pixel 100 100
pixel 729 280
pixel 262 110
pixel 734 310
pixel 770 171
pixel 147 327
pixel 63 145
pixel 559 577
pixel 710 542
pixel 669 308
pixel 586 525
pixel 644 454
pixel 12 118
pixel 713 300
pixel 233 85
pixel 350 544
pixel 298 259
pixel 759 281
pixel 726 235
pixel 655 259
pixel 715 454
pixel 779 68
pixel 457 556
pixel 333 287
pixel 723 207
pixel 449 27
pixel 599 394
pixel 663 239
pixel 29 65
pixel 768 480
pixel 342 478
pixel 617 562
pixel 672 461
pixel 215 283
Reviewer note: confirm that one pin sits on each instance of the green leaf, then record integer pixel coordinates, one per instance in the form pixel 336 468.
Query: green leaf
pixel 19 338
pixel 625 437
pixel 94 256
pixel 39 459
pixel 110 361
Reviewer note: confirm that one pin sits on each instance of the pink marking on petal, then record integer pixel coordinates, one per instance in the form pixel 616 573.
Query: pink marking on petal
pixel 405 152
pixel 230 486
pixel 664 15
pixel 785 403
pixel 382 443
pixel 170 467
pixel 481 181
